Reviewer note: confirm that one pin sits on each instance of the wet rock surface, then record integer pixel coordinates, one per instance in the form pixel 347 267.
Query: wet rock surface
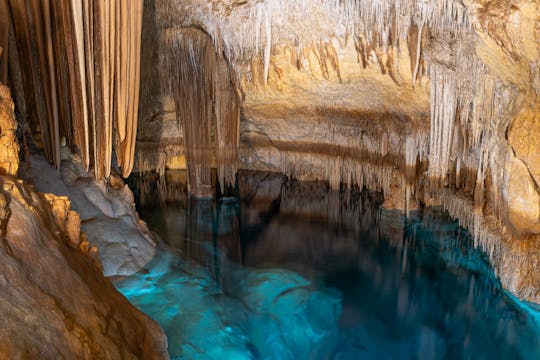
pixel 9 156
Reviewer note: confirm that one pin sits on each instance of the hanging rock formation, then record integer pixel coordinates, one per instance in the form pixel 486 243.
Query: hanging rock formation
pixel 200 82
pixel 76 65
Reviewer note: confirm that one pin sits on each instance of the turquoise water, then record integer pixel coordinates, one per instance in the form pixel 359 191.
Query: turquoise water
pixel 289 270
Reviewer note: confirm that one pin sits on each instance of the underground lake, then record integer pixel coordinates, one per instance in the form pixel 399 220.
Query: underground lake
pixel 293 270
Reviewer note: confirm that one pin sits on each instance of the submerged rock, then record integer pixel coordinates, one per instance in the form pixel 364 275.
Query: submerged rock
pixel 247 314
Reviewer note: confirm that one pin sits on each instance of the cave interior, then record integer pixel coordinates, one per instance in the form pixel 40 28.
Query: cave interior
pixel 112 109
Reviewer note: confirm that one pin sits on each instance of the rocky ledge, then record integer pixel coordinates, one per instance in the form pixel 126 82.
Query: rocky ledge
pixel 54 300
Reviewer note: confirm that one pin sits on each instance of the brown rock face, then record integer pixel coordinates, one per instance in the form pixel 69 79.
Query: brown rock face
pixel 524 199
pixel 9 156
pixel 54 302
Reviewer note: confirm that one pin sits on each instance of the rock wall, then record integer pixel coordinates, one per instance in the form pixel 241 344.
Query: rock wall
pixel 55 302
pixel 9 156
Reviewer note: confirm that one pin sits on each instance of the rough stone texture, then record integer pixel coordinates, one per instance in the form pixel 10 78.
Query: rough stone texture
pixel 524 199
pixel 524 140
pixel 54 302
pixel 515 259
pixel 107 212
pixel 9 156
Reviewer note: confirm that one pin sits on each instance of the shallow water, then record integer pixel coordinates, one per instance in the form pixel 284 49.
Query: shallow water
pixel 290 270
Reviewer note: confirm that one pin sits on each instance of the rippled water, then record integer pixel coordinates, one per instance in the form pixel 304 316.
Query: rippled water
pixel 290 270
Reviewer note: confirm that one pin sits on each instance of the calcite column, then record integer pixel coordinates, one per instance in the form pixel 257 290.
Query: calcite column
pixel 192 62
pixel 207 108
pixel 80 70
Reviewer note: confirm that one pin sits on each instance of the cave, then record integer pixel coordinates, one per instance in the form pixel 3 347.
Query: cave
pixel 270 179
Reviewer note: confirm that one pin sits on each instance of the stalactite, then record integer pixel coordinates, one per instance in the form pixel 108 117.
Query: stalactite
pixel 70 91
pixel 81 78
pixel 88 31
pixel 51 91
pixel 128 47
pixel 16 82
pixel 268 47
pixel 423 15
pixel 103 119
pixel 443 94
pixel 156 156
pixel 415 149
pixel 32 79
pixel 79 82
pixel 227 111
pixel 191 65
pixel 485 236
pixel 381 23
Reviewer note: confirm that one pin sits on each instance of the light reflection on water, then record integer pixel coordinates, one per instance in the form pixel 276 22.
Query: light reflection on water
pixel 294 271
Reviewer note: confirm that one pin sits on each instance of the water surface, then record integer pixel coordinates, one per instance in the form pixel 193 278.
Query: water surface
pixel 290 270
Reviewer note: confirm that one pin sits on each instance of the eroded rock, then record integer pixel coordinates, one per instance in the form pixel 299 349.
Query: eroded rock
pixel 54 300
pixel 9 156
pixel 106 214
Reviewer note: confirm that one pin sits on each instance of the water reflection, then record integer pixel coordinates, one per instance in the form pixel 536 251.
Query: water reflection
pixel 293 270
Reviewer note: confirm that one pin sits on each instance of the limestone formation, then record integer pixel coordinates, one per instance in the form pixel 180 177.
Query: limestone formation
pixel 414 98
pixel 427 101
pixel 55 302
pixel 105 210
pixel 79 67
pixel 9 156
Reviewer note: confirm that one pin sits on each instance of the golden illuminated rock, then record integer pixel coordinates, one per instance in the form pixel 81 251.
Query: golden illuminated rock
pixel 55 301
pixel 9 153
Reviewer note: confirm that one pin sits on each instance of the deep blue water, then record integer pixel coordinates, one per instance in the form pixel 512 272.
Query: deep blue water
pixel 289 270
